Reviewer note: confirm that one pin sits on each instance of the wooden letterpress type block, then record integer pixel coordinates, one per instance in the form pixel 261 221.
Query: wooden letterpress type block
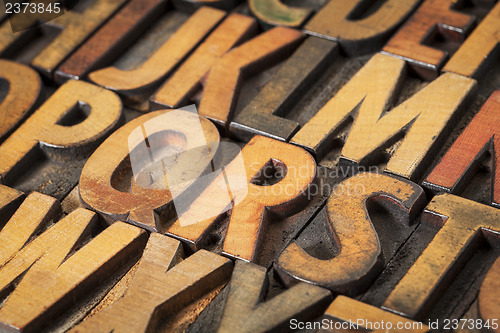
pixel 360 256
pixel 21 92
pixel 108 172
pixel 162 284
pixel 358 29
pixel 179 89
pixel 464 225
pixel 224 79
pixel 128 24
pixel 433 18
pixel 286 87
pixel 58 137
pixel 67 32
pixel 463 158
pixel 275 12
pixel 363 101
pixel 37 271
pixel 479 50
pixel 137 84
pixel 263 217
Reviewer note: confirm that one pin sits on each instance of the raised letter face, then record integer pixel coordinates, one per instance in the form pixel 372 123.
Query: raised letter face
pixel 110 40
pixel 252 210
pixel 24 88
pixel 462 220
pixel 75 28
pixel 359 260
pixel 47 272
pixel 365 98
pixel 46 132
pixel 136 167
pixel 462 159
pixel 162 284
pixel 345 22
pixel 432 18
pixel 479 49
pixel 134 84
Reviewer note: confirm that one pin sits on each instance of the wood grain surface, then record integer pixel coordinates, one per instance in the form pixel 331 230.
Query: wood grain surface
pixel 49 280
pixel 479 49
pixel 51 130
pixel 135 83
pixel 111 39
pixel 182 85
pixel 259 213
pixel 221 88
pixel 162 284
pixel 355 27
pixel 463 158
pixel 24 87
pixel 359 259
pixel 432 18
pixel 108 172
pixel 463 221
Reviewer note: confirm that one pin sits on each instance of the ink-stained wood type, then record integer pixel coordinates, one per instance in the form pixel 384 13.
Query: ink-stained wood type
pixel 433 19
pixel 111 39
pixel 364 316
pixel 49 287
pixel 374 84
pixel 109 174
pixel 283 228
pixel 252 205
pixel 76 28
pixel 488 305
pixel 50 131
pixel 275 12
pixel 50 281
pixel 138 83
pixel 463 158
pixel 245 310
pixel 424 119
pixel 480 49
pixel 356 27
pixel 10 199
pixel 162 284
pixel 192 5
pixel 464 223
pixel 263 116
pixel 460 292
pixel 359 259
pixel 36 212
pixel 222 84
pixel 21 92
pixel 186 80
pixel 428 116
pixel 368 126
pixel 16 259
